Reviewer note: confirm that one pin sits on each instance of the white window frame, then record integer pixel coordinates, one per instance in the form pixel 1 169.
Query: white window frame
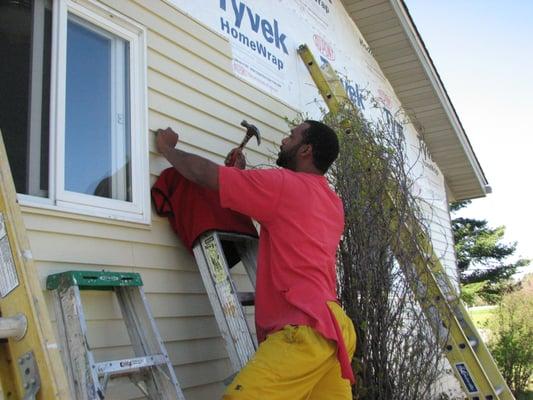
pixel 105 18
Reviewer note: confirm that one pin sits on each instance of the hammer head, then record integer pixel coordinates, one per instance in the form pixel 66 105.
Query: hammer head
pixel 251 130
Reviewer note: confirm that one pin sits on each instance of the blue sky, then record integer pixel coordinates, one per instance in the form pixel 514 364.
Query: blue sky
pixel 483 51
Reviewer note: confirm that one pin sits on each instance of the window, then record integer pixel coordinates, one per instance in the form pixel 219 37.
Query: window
pixel 25 91
pixel 85 65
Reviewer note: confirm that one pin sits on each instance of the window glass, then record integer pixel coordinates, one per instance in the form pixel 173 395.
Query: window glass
pixel 25 43
pixel 97 128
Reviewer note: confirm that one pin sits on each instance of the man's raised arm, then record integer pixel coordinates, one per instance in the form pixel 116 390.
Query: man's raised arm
pixel 195 168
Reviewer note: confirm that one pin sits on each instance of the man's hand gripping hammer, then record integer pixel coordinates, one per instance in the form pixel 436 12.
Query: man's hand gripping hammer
pixel 251 130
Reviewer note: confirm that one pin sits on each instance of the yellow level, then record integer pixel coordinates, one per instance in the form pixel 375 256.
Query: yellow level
pixel 30 362
pixel 471 361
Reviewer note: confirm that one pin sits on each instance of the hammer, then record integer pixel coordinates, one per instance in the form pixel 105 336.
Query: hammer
pixel 251 130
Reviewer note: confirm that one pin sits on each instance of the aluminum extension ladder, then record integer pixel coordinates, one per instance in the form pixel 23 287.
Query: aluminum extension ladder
pixel 226 302
pixel 150 370
pixel 471 361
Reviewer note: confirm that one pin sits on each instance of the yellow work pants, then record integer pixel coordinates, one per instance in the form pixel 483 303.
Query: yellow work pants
pixel 296 363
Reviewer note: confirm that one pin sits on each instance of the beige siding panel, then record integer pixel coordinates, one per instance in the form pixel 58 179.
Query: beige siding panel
pixel 148 256
pixel 70 249
pixel 189 126
pixel 200 350
pixel 180 21
pixel 216 153
pixel 122 389
pixel 241 279
pixel 158 233
pixel 180 110
pixel 179 304
pixel 173 25
pixel 158 163
pixel 183 103
pixel 175 71
pixel 181 352
pixel 112 333
pixel 203 373
pixel 103 305
pixel 184 58
pixel 167 281
pixel 210 391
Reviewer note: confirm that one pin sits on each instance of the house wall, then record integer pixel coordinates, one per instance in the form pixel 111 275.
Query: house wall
pixel 193 89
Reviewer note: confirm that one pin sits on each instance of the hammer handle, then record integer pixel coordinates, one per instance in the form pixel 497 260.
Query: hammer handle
pixel 244 141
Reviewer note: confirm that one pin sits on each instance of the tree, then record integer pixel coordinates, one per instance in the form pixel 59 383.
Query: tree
pixel 512 335
pixel 483 258
pixel 398 356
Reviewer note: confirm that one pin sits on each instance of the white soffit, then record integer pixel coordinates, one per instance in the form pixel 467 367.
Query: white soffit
pixel 398 48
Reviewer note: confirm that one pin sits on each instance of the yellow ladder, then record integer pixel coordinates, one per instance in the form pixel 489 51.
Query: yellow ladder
pixel 30 363
pixel 471 361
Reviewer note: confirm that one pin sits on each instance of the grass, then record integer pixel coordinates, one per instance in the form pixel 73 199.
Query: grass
pixel 526 396
pixel 480 316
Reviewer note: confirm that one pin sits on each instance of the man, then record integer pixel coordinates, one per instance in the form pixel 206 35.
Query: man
pixel 306 340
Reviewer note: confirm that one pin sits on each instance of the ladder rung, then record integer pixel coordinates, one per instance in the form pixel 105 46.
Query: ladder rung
pixel 246 298
pixel 129 364
pixel 451 298
pixel 498 390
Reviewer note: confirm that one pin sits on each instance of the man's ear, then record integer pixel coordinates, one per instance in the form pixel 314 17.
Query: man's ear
pixel 306 150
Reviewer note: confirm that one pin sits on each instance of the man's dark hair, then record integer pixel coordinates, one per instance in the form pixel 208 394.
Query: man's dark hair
pixel 325 144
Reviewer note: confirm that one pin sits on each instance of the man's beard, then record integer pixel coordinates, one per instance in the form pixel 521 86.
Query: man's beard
pixel 287 158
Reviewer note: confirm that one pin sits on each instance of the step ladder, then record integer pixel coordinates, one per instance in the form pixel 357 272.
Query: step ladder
pixel 471 361
pixel 226 302
pixel 30 362
pixel 150 370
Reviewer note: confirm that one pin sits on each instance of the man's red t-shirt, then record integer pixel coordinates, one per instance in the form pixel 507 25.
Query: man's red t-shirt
pixel 302 221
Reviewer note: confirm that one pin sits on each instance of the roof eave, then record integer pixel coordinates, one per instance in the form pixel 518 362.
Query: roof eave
pixel 429 67
pixel 391 34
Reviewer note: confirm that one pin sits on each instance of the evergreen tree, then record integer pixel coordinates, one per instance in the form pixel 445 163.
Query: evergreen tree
pixel 483 258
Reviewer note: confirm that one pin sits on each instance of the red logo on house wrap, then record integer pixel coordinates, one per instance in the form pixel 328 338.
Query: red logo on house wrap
pixel 324 47
pixel 385 99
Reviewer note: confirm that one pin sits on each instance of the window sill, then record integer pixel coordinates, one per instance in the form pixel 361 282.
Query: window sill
pixel 36 205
